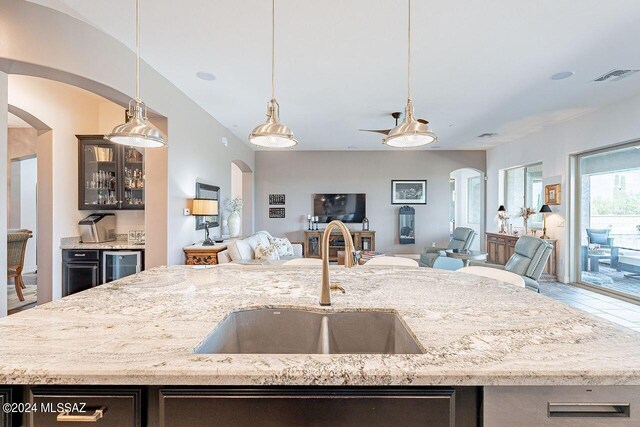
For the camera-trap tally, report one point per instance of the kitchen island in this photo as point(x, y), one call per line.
point(473, 332)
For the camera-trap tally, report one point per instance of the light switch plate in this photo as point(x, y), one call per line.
point(186, 212)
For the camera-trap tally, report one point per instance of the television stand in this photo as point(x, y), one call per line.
point(362, 241)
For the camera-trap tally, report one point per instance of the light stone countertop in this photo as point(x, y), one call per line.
point(121, 242)
point(475, 331)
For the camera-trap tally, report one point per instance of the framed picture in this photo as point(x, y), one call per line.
point(276, 199)
point(409, 192)
point(211, 192)
point(552, 194)
point(276, 213)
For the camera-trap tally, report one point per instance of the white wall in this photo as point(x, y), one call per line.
point(28, 209)
point(69, 50)
point(612, 124)
point(299, 174)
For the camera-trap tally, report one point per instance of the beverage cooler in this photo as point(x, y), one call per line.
point(119, 264)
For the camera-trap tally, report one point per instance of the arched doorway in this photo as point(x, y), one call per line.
point(467, 202)
point(242, 187)
point(29, 142)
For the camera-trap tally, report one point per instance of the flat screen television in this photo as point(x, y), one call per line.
point(346, 207)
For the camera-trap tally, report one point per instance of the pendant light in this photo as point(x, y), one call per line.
point(411, 132)
point(137, 131)
point(273, 134)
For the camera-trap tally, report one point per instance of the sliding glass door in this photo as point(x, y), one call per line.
point(609, 219)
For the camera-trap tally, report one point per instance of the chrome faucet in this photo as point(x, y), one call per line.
point(325, 295)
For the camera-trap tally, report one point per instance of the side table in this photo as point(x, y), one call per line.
point(203, 255)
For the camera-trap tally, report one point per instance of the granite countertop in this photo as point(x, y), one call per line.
point(475, 331)
point(121, 242)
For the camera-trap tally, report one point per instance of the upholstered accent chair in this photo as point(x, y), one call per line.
point(462, 238)
point(529, 259)
point(16, 249)
point(599, 236)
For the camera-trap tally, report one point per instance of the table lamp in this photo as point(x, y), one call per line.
point(205, 207)
point(502, 214)
point(544, 210)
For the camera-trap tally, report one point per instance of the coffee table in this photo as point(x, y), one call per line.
point(466, 255)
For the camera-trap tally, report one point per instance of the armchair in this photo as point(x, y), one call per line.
point(529, 259)
point(599, 236)
point(462, 238)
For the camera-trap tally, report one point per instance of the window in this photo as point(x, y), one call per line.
point(473, 200)
point(523, 188)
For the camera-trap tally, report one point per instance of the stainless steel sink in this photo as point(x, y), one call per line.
point(291, 331)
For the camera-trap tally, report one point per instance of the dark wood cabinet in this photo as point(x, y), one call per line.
point(110, 176)
point(80, 270)
point(168, 406)
point(362, 241)
point(108, 407)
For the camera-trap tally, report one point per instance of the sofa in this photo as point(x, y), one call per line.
point(243, 251)
point(462, 238)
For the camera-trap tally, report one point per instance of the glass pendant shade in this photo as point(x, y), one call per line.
point(137, 131)
point(273, 134)
point(410, 133)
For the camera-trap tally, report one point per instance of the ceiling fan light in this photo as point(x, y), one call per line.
point(137, 131)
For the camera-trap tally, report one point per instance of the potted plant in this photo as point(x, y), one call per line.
point(234, 207)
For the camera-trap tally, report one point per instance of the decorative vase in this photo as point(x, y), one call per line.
point(234, 224)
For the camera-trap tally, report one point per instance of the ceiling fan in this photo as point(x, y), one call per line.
point(396, 115)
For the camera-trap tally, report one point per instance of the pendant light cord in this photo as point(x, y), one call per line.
point(138, 50)
point(409, 54)
point(273, 49)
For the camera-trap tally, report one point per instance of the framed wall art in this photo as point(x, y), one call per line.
point(409, 192)
point(552, 194)
point(276, 199)
point(210, 192)
point(276, 213)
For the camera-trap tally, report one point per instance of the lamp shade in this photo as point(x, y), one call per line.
point(545, 209)
point(501, 209)
point(204, 207)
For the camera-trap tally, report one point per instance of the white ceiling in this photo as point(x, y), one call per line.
point(16, 122)
point(479, 66)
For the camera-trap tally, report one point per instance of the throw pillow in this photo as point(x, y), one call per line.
point(283, 246)
point(266, 252)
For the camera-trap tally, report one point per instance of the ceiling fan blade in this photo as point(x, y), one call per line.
point(382, 131)
point(423, 121)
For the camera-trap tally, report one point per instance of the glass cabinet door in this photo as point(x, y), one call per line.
point(133, 176)
point(99, 186)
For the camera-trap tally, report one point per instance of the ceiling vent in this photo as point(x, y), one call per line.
point(615, 75)
point(487, 135)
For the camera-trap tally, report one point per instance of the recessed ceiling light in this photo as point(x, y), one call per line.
point(205, 76)
point(562, 75)
point(487, 135)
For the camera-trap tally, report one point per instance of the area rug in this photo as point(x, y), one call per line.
point(30, 293)
point(596, 278)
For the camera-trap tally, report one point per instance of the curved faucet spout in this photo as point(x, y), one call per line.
point(325, 296)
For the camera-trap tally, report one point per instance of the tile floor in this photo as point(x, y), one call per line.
point(615, 310)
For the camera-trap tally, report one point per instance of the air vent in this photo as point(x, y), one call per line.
point(487, 135)
point(615, 75)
